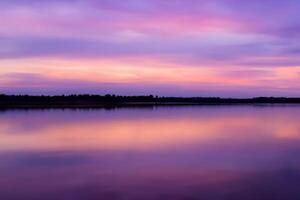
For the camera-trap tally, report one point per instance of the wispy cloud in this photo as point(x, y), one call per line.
point(246, 35)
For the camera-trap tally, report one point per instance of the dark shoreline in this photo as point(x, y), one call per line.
point(112, 101)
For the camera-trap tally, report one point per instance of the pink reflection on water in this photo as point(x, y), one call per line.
point(217, 152)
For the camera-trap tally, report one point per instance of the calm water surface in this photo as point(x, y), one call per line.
point(168, 153)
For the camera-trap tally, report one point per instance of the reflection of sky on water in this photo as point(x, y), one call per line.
point(234, 152)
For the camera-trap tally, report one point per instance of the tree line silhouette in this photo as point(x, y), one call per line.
point(115, 100)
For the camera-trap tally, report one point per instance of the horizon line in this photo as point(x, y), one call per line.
point(149, 95)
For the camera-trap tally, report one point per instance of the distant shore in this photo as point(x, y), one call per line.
point(111, 101)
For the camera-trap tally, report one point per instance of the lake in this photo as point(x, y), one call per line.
point(168, 153)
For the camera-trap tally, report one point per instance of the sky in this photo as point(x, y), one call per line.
point(227, 48)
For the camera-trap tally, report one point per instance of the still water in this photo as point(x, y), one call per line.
point(168, 153)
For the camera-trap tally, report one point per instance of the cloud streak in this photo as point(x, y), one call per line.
point(248, 36)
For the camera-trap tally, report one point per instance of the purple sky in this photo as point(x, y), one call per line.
point(173, 47)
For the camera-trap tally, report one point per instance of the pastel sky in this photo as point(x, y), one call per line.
point(227, 48)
